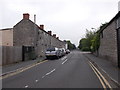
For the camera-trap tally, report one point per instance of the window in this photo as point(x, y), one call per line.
point(101, 34)
point(38, 32)
point(118, 23)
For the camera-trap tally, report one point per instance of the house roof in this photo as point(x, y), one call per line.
point(6, 29)
point(39, 28)
point(113, 19)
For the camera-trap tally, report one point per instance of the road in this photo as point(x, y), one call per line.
point(71, 71)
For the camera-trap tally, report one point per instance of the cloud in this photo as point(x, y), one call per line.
point(67, 18)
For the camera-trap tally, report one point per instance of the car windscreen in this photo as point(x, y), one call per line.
point(51, 49)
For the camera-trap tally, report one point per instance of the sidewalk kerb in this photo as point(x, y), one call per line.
point(3, 74)
point(116, 82)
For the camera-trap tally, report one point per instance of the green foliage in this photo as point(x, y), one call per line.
point(95, 42)
point(86, 43)
point(85, 49)
point(70, 45)
point(84, 46)
point(91, 41)
point(89, 36)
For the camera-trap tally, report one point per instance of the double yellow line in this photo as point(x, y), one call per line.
point(102, 79)
point(21, 70)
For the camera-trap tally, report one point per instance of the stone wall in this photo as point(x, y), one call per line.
point(108, 43)
point(25, 33)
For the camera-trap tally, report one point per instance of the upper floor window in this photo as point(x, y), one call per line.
point(118, 22)
point(101, 34)
point(38, 33)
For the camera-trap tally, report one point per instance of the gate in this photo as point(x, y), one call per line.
point(28, 53)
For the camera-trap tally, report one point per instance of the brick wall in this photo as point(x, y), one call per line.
point(108, 43)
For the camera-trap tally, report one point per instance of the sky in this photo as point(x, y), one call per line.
point(68, 19)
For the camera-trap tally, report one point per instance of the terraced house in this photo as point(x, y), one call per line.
point(110, 40)
point(33, 39)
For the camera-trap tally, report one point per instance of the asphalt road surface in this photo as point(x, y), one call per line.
point(71, 71)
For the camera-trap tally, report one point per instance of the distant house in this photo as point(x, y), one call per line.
point(110, 40)
point(6, 37)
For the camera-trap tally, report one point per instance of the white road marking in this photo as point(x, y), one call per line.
point(51, 72)
point(65, 61)
point(43, 76)
point(63, 58)
point(36, 81)
point(48, 73)
point(26, 86)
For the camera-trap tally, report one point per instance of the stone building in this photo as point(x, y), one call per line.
point(30, 36)
point(27, 33)
point(110, 40)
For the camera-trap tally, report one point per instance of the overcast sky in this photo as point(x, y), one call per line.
point(69, 19)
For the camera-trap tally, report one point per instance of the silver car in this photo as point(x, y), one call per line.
point(63, 52)
point(53, 53)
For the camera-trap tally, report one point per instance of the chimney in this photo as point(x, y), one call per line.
point(42, 27)
point(50, 32)
point(26, 16)
point(57, 37)
point(118, 6)
point(54, 35)
point(35, 19)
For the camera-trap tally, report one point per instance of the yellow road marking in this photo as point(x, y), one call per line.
point(19, 71)
point(107, 83)
point(98, 77)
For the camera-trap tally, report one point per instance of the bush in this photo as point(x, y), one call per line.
point(85, 49)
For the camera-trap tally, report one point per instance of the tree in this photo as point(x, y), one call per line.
point(91, 42)
point(95, 42)
point(70, 45)
point(83, 44)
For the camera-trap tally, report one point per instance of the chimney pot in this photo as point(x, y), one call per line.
point(26, 16)
point(42, 27)
point(57, 37)
point(50, 32)
point(54, 35)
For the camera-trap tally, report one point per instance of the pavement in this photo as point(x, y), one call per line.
point(71, 71)
point(106, 66)
point(19, 65)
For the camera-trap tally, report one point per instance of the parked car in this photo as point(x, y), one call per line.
point(63, 52)
point(53, 53)
point(67, 51)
